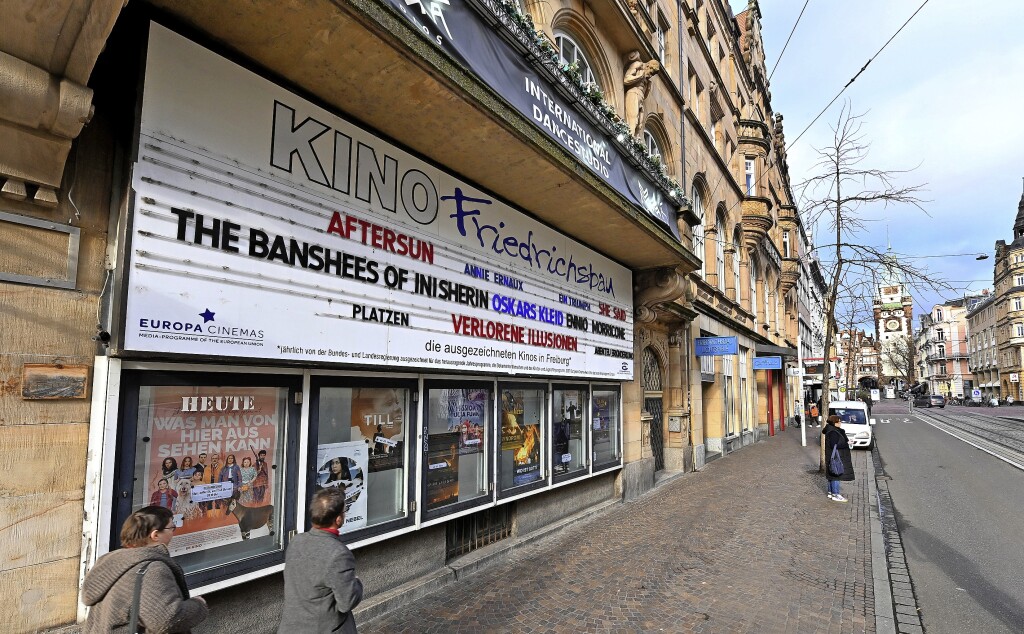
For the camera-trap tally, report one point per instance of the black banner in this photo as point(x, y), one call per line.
point(458, 29)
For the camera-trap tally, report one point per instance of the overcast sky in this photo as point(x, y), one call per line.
point(945, 97)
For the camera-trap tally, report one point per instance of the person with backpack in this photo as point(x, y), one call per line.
point(140, 582)
point(838, 461)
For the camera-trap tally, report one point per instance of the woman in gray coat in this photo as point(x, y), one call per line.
point(110, 586)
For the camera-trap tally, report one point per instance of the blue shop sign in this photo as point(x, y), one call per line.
point(767, 363)
point(715, 346)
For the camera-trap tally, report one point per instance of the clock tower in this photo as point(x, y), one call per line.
point(894, 315)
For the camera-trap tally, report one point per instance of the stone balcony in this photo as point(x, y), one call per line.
point(790, 273)
point(754, 134)
point(757, 220)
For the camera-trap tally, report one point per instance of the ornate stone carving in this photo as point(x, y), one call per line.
point(44, 103)
point(757, 221)
point(653, 288)
point(638, 83)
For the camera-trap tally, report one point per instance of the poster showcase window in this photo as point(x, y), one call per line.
point(211, 456)
point(455, 465)
point(605, 420)
point(568, 431)
point(522, 413)
point(360, 445)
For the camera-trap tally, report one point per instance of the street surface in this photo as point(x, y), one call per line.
point(750, 544)
point(960, 512)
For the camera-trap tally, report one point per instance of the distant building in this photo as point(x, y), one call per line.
point(942, 356)
point(1009, 285)
point(860, 363)
point(981, 345)
point(894, 321)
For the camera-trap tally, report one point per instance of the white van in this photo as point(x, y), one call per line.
point(855, 422)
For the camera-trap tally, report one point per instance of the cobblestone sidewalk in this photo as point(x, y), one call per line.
point(749, 544)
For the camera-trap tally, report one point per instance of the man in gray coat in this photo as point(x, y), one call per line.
point(320, 584)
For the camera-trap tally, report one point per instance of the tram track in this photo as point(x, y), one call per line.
point(1002, 438)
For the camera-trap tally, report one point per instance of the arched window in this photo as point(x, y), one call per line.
point(572, 53)
point(652, 145)
point(698, 230)
point(736, 263)
point(753, 289)
point(778, 290)
point(720, 251)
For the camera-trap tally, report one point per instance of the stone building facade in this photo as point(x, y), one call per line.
point(981, 345)
point(1008, 277)
point(254, 249)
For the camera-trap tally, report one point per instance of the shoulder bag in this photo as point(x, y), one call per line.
point(133, 622)
point(835, 462)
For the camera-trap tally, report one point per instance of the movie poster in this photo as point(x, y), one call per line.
point(602, 419)
point(520, 438)
point(568, 425)
point(442, 469)
point(467, 415)
point(378, 416)
point(207, 455)
point(345, 464)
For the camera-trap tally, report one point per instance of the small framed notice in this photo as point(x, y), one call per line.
point(52, 382)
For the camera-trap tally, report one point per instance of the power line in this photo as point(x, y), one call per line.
point(793, 30)
point(862, 69)
point(773, 163)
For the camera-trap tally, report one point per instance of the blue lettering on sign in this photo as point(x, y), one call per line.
point(525, 249)
point(767, 363)
point(715, 346)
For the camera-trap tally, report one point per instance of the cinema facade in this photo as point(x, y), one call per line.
point(364, 247)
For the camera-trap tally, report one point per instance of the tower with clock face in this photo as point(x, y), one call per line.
point(894, 315)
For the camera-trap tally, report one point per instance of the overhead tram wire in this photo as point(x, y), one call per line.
point(862, 69)
point(829, 105)
point(791, 32)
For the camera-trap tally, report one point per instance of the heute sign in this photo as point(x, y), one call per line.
point(266, 227)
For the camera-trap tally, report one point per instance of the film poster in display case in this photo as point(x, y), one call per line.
point(378, 418)
point(442, 469)
point(206, 456)
point(567, 426)
point(466, 417)
point(345, 464)
point(601, 418)
point(520, 437)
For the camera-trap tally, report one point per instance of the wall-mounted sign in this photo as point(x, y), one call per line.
point(1014, 377)
point(462, 32)
point(267, 227)
point(715, 346)
point(767, 363)
point(41, 381)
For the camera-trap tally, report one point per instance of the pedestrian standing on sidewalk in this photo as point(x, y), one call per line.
point(110, 587)
point(835, 437)
point(320, 584)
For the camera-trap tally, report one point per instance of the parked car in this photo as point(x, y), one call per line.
point(855, 421)
point(937, 400)
point(922, 400)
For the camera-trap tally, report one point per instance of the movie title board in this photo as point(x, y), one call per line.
point(266, 227)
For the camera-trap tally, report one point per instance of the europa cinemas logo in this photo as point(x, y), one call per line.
point(202, 329)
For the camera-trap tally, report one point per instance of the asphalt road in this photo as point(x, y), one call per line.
point(961, 518)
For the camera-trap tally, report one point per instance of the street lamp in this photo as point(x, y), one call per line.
point(982, 256)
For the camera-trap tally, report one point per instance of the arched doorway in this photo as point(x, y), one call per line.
point(653, 406)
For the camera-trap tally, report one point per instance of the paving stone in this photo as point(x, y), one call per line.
point(738, 547)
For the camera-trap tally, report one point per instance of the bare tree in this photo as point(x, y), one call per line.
point(898, 354)
point(840, 193)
